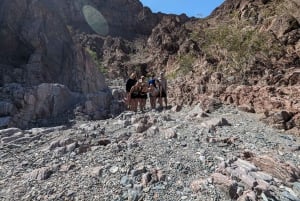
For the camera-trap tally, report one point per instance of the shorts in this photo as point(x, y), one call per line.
point(163, 94)
point(135, 95)
point(143, 95)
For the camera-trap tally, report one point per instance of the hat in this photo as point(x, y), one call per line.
point(140, 80)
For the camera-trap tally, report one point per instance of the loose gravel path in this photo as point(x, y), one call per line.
point(156, 155)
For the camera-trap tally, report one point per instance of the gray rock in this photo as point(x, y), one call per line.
point(9, 132)
point(40, 174)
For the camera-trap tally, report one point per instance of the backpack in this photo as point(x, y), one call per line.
point(152, 82)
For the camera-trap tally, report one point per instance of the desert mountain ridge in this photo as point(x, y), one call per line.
point(57, 55)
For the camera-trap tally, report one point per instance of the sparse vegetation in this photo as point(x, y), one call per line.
point(186, 63)
point(238, 46)
point(97, 61)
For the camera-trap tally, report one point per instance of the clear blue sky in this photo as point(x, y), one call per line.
point(192, 8)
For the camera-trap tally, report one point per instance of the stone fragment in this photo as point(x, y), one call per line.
point(141, 127)
point(296, 188)
point(53, 145)
point(170, 133)
point(96, 171)
point(153, 131)
point(12, 138)
point(66, 168)
point(262, 186)
point(246, 108)
point(60, 151)
point(138, 171)
point(221, 179)
point(40, 174)
point(283, 171)
point(248, 180)
point(261, 175)
point(212, 123)
point(113, 169)
point(9, 132)
point(71, 147)
point(104, 141)
point(146, 178)
point(248, 196)
point(245, 164)
point(236, 171)
point(176, 108)
point(161, 175)
point(23, 140)
point(197, 185)
point(126, 181)
point(65, 141)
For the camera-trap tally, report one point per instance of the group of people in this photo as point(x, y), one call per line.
point(138, 91)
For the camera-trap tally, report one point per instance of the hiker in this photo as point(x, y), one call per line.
point(152, 80)
point(129, 84)
point(163, 92)
point(134, 95)
point(153, 91)
point(143, 93)
point(159, 93)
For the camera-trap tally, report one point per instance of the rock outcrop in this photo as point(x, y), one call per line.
point(38, 49)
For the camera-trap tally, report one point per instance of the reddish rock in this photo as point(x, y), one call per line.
point(248, 196)
point(280, 170)
point(220, 179)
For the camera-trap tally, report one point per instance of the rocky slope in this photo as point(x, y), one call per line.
point(238, 54)
point(245, 53)
point(226, 73)
point(223, 155)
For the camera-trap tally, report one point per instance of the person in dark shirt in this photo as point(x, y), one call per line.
point(129, 84)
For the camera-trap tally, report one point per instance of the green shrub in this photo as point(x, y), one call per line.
point(97, 60)
point(186, 63)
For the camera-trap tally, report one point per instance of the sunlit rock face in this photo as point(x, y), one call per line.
point(37, 49)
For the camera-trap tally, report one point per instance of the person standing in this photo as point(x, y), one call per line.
point(129, 84)
point(143, 93)
point(163, 89)
point(153, 91)
point(135, 95)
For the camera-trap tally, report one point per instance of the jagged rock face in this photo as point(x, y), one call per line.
point(38, 48)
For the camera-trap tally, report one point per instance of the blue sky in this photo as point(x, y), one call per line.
point(195, 8)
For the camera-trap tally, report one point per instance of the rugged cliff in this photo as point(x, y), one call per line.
point(245, 53)
point(37, 47)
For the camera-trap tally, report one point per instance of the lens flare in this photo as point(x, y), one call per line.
point(95, 20)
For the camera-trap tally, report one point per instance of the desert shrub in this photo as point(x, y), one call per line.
point(186, 63)
point(97, 61)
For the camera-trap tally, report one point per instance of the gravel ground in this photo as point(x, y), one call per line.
point(154, 155)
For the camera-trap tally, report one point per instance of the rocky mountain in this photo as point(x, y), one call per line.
point(44, 71)
point(245, 53)
point(232, 132)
